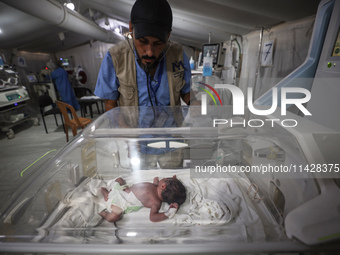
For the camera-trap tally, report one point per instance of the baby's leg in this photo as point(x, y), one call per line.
point(121, 181)
point(113, 216)
point(105, 193)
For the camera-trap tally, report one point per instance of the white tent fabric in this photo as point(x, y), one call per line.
point(90, 57)
point(291, 43)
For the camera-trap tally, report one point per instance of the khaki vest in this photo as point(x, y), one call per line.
point(124, 63)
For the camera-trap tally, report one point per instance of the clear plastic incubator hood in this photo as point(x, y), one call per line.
point(248, 190)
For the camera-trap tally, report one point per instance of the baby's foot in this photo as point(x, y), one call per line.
point(105, 193)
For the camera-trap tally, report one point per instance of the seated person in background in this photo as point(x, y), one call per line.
point(60, 78)
point(122, 198)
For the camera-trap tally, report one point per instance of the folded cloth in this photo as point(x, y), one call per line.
point(208, 203)
point(126, 201)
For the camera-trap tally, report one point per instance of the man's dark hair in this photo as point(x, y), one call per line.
point(174, 192)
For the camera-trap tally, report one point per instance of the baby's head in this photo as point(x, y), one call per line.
point(174, 192)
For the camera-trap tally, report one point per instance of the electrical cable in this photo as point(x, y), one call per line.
point(147, 85)
point(147, 69)
point(152, 106)
point(159, 59)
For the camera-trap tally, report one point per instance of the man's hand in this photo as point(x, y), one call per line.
point(196, 102)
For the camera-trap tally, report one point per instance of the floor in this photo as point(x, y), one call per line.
point(30, 143)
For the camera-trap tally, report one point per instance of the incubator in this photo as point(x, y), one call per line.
point(231, 207)
point(13, 100)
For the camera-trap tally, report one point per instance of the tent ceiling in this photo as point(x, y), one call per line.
point(193, 21)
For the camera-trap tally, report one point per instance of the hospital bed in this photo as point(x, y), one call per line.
point(227, 210)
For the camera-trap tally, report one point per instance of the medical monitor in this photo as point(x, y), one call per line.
point(65, 62)
point(31, 78)
point(215, 50)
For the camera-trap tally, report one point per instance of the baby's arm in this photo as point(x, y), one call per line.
point(155, 216)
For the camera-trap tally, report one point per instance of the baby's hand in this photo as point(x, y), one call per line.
point(172, 210)
point(174, 205)
point(156, 180)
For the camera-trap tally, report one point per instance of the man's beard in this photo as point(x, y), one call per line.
point(148, 66)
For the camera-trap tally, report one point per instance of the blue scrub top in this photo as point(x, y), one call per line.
point(66, 92)
point(107, 82)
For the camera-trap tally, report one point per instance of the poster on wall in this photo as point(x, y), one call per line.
point(267, 53)
point(22, 62)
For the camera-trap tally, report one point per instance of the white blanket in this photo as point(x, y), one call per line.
point(210, 202)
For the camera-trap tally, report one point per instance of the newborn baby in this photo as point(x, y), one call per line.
point(124, 199)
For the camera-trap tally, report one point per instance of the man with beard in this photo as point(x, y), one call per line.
point(147, 70)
